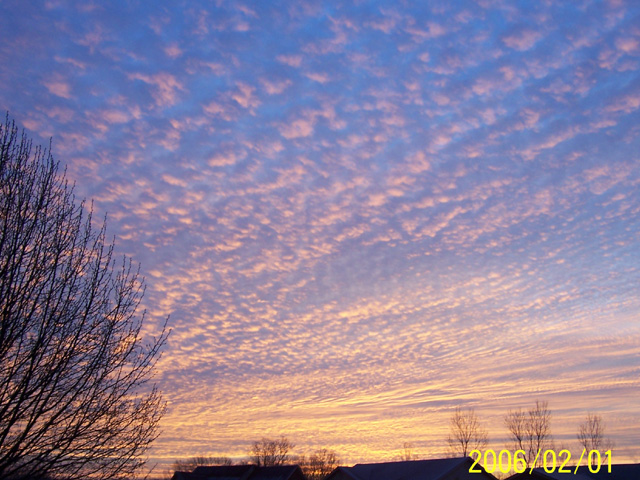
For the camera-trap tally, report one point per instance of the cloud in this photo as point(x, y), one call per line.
point(318, 77)
point(418, 163)
point(301, 127)
point(217, 109)
point(244, 97)
point(225, 159)
point(173, 51)
point(628, 45)
point(167, 87)
point(59, 88)
point(420, 34)
point(304, 125)
point(115, 116)
point(62, 114)
point(386, 25)
point(175, 181)
point(625, 104)
point(522, 40)
point(71, 61)
point(275, 87)
point(291, 60)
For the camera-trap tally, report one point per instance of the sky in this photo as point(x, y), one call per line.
point(358, 216)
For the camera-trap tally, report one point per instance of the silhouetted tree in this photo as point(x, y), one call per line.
point(268, 452)
point(531, 432)
point(407, 452)
point(466, 433)
point(73, 365)
point(319, 465)
point(591, 434)
point(516, 423)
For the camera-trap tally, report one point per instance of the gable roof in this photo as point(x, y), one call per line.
point(423, 469)
point(624, 471)
point(282, 472)
point(241, 472)
point(630, 471)
point(540, 474)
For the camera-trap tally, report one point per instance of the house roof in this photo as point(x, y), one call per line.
point(629, 471)
point(625, 471)
point(540, 474)
point(422, 469)
point(241, 472)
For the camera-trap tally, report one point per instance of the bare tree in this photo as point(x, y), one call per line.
point(466, 433)
point(74, 395)
point(319, 465)
point(591, 434)
point(516, 423)
point(407, 452)
point(531, 432)
point(268, 452)
point(539, 430)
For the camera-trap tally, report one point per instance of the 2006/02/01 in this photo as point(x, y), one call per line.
point(549, 457)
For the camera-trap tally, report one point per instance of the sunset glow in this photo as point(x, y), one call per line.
point(358, 215)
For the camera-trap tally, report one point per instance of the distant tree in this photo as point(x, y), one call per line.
point(466, 433)
point(73, 364)
point(407, 452)
point(591, 434)
point(268, 452)
point(539, 430)
point(516, 423)
point(531, 432)
point(319, 465)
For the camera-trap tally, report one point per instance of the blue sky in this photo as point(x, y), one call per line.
point(358, 216)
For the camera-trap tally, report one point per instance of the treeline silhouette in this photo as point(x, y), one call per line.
point(528, 430)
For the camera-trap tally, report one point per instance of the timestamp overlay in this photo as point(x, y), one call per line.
point(551, 461)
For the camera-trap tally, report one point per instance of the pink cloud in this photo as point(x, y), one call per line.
point(626, 104)
point(494, 83)
point(72, 61)
point(628, 45)
point(166, 87)
point(432, 30)
point(64, 115)
point(241, 27)
point(275, 87)
point(171, 180)
point(522, 40)
point(483, 86)
point(59, 88)
point(218, 110)
point(291, 60)
point(528, 119)
point(173, 51)
point(223, 159)
point(215, 68)
point(318, 77)
point(418, 163)
point(115, 116)
point(440, 99)
point(385, 25)
point(246, 10)
point(245, 97)
point(171, 139)
point(92, 39)
point(303, 127)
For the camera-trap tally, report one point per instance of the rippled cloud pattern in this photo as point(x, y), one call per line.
point(358, 215)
